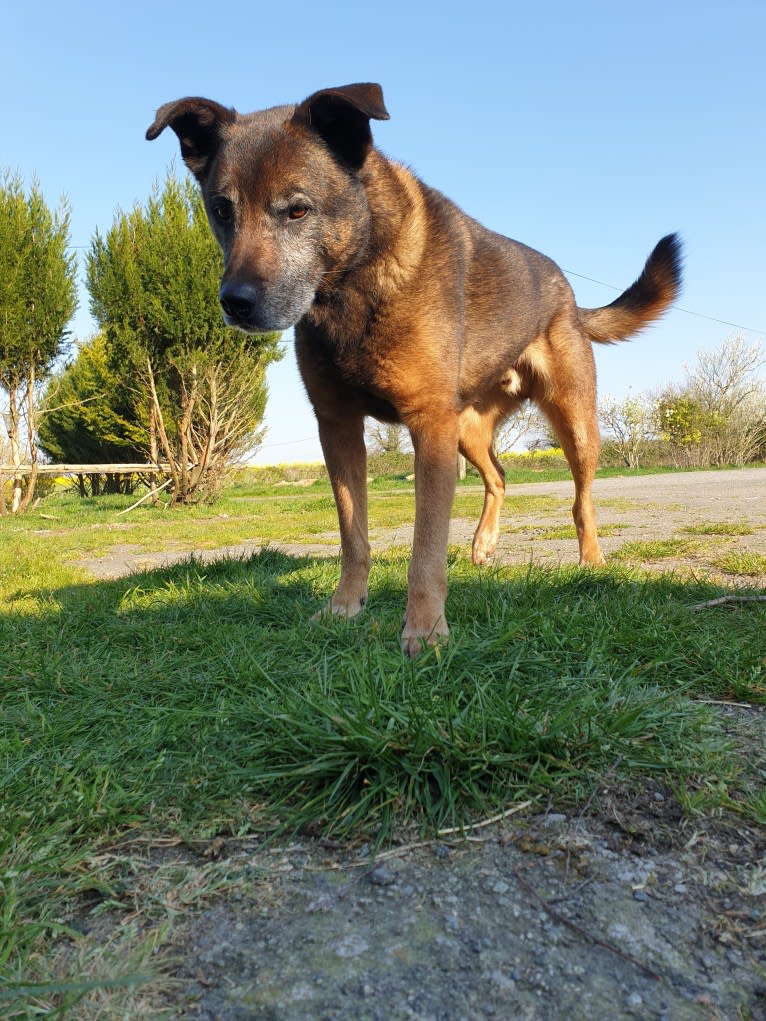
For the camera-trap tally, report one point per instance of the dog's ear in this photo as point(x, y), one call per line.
point(198, 123)
point(342, 117)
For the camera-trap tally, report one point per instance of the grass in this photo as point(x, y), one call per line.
point(743, 563)
point(196, 701)
point(719, 528)
point(654, 550)
point(544, 466)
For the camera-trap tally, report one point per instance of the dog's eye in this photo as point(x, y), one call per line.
point(297, 212)
point(223, 210)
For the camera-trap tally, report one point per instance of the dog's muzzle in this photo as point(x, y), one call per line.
point(240, 303)
point(255, 309)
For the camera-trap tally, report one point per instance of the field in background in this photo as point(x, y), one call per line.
point(198, 700)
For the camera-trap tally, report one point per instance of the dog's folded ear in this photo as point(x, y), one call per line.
point(198, 123)
point(341, 116)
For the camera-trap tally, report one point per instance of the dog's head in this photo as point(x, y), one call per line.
point(283, 192)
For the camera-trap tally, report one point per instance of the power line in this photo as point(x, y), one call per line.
point(723, 322)
point(687, 311)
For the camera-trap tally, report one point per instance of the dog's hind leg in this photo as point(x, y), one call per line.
point(578, 434)
point(345, 455)
point(569, 403)
point(476, 432)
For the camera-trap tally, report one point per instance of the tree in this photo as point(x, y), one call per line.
point(37, 300)
point(729, 388)
point(631, 423)
point(197, 385)
point(87, 416)
point(719, 415)
point(728, 377)
point(387, 437)
point(526, 423)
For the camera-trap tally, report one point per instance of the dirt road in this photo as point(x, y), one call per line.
point(630, 509)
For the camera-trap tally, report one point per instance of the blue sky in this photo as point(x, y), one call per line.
point(586, 130)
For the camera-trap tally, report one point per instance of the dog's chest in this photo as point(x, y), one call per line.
point(346, 368)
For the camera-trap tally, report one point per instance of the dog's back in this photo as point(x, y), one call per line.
point(492, 297)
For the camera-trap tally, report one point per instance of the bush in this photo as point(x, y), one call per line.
point(551, 458)
point(393, 463)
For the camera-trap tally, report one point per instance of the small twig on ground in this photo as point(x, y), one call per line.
point(563, 920)
point(732, 705)
point(146, 496)
point(727, 599)
point(514, 810)
point(396, 852)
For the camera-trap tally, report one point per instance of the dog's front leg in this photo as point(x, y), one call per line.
point(345, 456)
point(435, 441)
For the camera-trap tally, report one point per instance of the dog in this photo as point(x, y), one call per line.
point(405, 309)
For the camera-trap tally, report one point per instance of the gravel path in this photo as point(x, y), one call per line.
point(550, 919)
point(634, 508)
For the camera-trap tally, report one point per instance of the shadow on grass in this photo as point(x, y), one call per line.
point(202, 698)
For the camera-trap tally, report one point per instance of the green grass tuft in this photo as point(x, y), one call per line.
point(747, 563)
point(653, 550)
point(719, 528)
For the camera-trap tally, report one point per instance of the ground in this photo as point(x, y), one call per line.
point(622, 908)
point(607, 915)
point(638, 508)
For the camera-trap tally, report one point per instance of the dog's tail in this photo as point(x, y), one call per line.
point(644, 301)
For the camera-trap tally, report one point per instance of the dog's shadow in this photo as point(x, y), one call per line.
point(270, 599)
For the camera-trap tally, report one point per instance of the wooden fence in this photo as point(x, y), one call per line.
point(84, 469)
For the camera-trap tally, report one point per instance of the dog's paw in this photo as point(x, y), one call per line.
point(483, 548)
point(593, 558)
point(416, 639)
point(481, 556)
point(339, 607)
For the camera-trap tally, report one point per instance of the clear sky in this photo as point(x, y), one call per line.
point(587, 130)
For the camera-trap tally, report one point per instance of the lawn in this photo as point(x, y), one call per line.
point(200, 700)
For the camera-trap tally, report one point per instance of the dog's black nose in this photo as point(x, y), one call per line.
point(239, 301)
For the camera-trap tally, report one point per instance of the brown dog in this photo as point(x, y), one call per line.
point(404, 309)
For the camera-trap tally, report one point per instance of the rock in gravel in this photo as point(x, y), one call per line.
point(381, 875)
